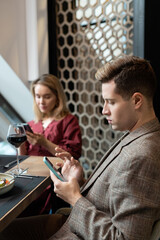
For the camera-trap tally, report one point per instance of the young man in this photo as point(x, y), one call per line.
point(121, 199)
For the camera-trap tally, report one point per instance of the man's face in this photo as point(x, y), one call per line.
point(120, 113)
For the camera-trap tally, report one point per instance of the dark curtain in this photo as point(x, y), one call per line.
point(52, 37)
point(152, 44)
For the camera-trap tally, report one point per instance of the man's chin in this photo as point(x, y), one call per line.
point(115, 128)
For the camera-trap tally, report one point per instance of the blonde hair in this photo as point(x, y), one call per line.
point(55, 86)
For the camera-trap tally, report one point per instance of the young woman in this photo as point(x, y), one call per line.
point(54, 125)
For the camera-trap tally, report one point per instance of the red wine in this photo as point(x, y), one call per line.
point(16, 139)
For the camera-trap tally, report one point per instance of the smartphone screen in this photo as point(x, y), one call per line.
point(53, 169)
point(27, 127)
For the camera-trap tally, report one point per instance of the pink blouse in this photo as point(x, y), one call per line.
point(65, 133)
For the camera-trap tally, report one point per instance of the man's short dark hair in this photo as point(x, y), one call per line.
point(131, 74)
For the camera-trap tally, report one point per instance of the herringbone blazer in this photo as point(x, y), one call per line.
point(121, 199)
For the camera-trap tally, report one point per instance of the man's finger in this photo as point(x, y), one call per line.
point(53, 177)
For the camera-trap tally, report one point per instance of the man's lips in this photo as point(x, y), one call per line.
point(109, 120)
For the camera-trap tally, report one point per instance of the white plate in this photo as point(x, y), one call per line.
point(7, 187)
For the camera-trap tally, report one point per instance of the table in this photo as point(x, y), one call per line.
point(25, 190)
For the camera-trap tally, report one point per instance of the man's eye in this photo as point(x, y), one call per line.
point(111, 102)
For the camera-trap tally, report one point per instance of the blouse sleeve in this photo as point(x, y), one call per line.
point(71, 141)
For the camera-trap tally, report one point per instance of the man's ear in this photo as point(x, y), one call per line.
point(137, 99)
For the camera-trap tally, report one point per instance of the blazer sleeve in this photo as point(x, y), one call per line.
point(131, 202)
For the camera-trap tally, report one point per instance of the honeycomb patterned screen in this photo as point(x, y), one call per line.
point(89, 34)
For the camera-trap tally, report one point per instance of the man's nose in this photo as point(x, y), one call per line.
point(105, 110)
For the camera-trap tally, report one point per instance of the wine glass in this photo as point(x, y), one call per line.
point(16, 136)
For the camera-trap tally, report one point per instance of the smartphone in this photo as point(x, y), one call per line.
point(27, 127)
point(53, 169)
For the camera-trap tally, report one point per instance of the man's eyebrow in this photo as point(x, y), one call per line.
point(109, 99)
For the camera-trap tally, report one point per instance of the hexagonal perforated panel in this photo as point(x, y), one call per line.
point(90, 33)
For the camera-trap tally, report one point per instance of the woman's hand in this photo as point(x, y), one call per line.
point(35, 138)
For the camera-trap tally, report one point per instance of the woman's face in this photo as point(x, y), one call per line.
point(45, 99)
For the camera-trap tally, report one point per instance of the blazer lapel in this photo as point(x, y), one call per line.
point(151, 126)
point(104, 162)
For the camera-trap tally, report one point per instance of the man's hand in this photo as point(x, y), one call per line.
point(68, 191)
point(71, 168)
